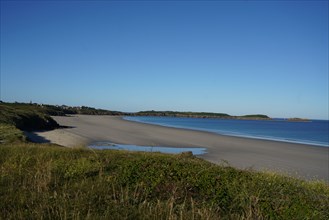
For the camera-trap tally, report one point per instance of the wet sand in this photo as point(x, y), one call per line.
point(306, 161)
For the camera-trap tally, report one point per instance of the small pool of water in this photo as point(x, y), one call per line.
point(168, 150)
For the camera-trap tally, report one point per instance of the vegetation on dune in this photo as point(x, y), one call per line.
point(25, 117)
point(10, 134)
point(43, 181)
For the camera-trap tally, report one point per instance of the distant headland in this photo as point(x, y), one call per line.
point(63, 110)
point(201, 115)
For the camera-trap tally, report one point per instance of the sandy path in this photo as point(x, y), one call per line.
point(296, 159)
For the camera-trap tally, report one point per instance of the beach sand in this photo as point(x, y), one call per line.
point(305, 161)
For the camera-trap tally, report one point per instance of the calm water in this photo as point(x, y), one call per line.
point(168, 150)
point(315, 132)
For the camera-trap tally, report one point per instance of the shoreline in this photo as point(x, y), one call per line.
point(299, 160)
point(232, 135)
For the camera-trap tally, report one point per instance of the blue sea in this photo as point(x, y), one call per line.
point(314, 132)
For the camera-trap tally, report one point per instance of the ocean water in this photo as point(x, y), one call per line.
point(314, 132)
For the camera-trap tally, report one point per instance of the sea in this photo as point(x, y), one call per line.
point(312, 132)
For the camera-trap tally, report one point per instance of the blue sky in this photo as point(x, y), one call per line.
point(236, 57)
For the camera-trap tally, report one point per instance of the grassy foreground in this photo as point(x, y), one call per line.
point(46, 181)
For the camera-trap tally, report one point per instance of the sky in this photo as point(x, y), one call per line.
point(234, 57)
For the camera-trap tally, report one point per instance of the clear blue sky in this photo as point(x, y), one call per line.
point(239, 57)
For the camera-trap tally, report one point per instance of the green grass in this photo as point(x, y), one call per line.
point(10, 134)
point(45, 181)
point(26, 117)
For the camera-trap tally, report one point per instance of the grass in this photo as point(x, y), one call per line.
point(10, 134)
point(26, 117)
point(46, 181)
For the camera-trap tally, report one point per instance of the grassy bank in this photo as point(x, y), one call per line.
point(46, 181)
point(26, 117)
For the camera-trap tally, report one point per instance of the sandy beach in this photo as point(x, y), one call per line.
point(299, 160)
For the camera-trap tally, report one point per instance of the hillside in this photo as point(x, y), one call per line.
point(26, 117)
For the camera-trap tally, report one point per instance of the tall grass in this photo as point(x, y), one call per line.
point(44, 181)
point(9, 134)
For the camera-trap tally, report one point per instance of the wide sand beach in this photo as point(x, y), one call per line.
point(305, 161)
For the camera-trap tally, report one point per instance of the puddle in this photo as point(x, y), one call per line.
point(168, 150)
